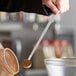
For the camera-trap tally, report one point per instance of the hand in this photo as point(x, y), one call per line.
point(57, 6)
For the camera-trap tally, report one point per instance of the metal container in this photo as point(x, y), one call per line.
point(61, 67)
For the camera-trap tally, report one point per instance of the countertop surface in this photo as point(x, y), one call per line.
point(36, 73)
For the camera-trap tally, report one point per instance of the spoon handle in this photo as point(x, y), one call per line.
point(41, 37)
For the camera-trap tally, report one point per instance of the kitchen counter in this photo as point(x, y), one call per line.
point(36, 72)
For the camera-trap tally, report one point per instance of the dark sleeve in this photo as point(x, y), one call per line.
point(35, 6)
point(31, 6)
point(10, 5)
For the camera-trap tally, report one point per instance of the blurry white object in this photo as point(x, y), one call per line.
point(1, 46)
point(70, 51)
point(48, 49)
point(67, 49)
point(18, 48)
point(58, 18)
point(61, 67)
point(3, 16)
point(64, 48)
point(64, 5)
point(42, 18)
point(32, 17)
point(35, 27)
point(57, 27)
point(28, 17)
point(13, 16)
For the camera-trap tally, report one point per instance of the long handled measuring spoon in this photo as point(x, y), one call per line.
point(26, 63)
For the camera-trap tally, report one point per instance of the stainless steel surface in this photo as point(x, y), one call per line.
point(61, 67)
point(36, 72)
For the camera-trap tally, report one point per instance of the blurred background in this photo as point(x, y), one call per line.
point(20, 32)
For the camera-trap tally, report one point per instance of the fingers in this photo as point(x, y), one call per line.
point(1, 47)
point(52, 6)
point(57, 3)
point(63, 5)
point(57, 6)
